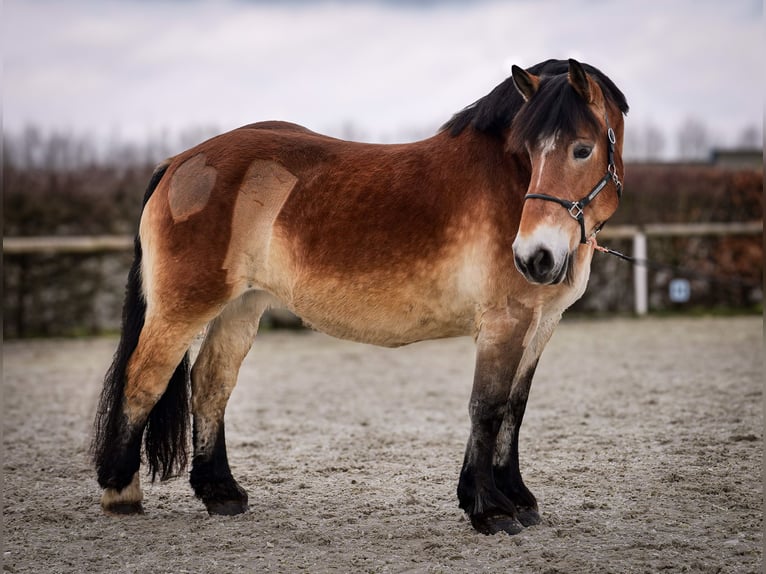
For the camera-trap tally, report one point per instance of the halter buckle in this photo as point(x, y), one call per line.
point(611, 136)
point(576, 211)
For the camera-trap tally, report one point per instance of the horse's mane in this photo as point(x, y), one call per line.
point(555, 107)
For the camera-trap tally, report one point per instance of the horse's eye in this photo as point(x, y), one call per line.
point(582, 151)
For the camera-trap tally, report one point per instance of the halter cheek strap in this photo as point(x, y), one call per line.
point(576, 208)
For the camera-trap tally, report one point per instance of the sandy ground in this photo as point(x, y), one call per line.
point(643, 442)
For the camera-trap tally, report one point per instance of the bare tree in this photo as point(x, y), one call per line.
point(633, 148)
point(654, 141)
point(30, 146)
point(750, 137)
point(693, 140)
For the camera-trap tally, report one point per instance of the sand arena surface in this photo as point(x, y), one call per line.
point(643, 441)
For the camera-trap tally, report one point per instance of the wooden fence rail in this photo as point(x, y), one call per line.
point(111, 243)
point(683, 229)
point(79, 244)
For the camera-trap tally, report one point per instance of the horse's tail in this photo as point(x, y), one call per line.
point(167, 427)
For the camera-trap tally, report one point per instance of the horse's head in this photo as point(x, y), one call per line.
point(571, 126)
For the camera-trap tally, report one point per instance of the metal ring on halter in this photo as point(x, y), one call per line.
point(612, 170)
point(575, 211)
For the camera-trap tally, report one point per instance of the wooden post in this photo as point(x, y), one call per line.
point(640, 275)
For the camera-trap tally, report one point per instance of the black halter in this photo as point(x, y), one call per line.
point(575, 208)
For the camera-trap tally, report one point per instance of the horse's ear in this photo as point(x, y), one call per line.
point(525, 82)
point(579, 80)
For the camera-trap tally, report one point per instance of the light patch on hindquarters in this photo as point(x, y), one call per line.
point(264, 190)
point(131, 495)
point(190, 187)
point(547, 145)
point(148, 258)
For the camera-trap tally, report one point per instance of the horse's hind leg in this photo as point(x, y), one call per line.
point(157, 361)
point(214, 375)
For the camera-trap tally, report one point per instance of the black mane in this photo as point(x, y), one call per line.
point(555, 107)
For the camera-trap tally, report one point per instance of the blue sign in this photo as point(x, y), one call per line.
point(680, 290)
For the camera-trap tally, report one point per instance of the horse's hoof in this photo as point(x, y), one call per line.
point(124, 508)
point(529, 516)
point(494, 523)
point(226, 507)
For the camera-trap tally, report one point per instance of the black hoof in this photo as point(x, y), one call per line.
point(226, 507)
point(221, 497)
point(494, 523)
point(124, 508)
point(529, 516)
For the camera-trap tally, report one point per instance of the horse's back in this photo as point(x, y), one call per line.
point(281, 126)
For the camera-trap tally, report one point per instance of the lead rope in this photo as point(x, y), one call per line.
point(593, 243)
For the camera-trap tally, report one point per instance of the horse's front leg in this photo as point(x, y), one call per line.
point(500, 344)
point(506, 469)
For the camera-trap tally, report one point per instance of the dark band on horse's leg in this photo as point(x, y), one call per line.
point(214, 376)
point(500, 346)
point(488, 508)
point(117, 471)
point(212, 480)
point(506, 463)
point(158, 360)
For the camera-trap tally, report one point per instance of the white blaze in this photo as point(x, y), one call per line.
point(546, 145)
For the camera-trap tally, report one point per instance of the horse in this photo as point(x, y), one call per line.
point(462, 233)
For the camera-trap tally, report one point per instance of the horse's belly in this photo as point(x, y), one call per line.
point(389, 317)
point(387, 333)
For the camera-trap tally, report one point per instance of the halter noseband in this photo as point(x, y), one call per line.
point(576, 208)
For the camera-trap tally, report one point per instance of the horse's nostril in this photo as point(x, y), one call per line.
point(537, 267)
point(541, 263)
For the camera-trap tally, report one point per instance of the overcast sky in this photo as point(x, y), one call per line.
point(391, 69)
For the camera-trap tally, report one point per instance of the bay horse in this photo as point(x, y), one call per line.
point(485, 229)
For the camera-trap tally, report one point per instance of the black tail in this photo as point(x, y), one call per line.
point(167, 428)
point(166, 438)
